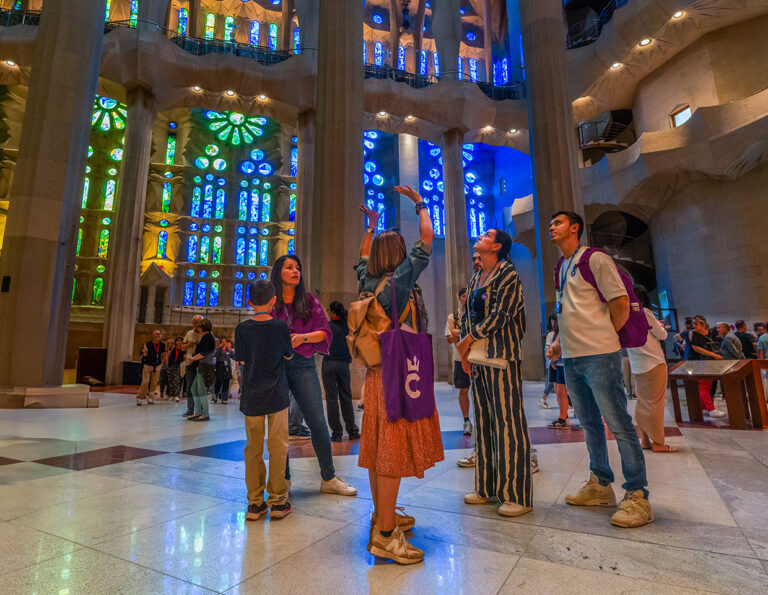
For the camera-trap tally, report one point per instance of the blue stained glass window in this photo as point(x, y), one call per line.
point(365, 52)
point(461, 68)
point(294, 161)
point(296, 41)
point(255, 32)
point(265, 169)
point(189, 292)
point(264, 253)
point(134, 12)
point(378, 53)
point(205, 246)
point(166, 202)
point(423, 62)
point(162, 243)
point(266, 203)
point(437, 64)
point(291, 246)
point(192, 249)
point(213, 296)
point(253, 252)
point(208, 201)
point(481, 222)
point(254, 205)
point(272, 36)
point(220, 199)
point(240, 251)
point(237, 296)
point(242, 205)
point(473, 69)
point(496, 77)
point(401, 57)
point(201, 291)
point(378, 19)
point(504, 71)
point(472, 222)
point(183, 21)
point(292, 207)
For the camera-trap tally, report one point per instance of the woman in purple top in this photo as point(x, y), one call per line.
point(310, 334)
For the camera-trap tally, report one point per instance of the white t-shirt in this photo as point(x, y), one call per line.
point(646, 358)
point(585, 321)
point(451, 324)
point(192, 336)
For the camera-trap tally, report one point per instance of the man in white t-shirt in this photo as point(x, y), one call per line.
point(590, 348)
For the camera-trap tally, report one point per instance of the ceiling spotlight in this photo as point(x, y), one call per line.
point(513, 130)
point(488, 128)
point(10, 63)
point(197, 88)
point(678, 14)
point(616, 65)
point(645, 41)
point(382, 114)
point(230, 92)
point(409, 117)
point(262, 97)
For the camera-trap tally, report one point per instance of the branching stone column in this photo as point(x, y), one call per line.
point(38, 258)
point(338, 179)
point(308, 14)
point(123, 287)
point(304, 183)
point(446, 26)
point(152, 12)
point(457, 258)
point(553, 139)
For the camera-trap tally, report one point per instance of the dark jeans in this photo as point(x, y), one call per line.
point(295, 417)
point(338, 392)
point(596, 385)
point(305, 387)
point(189, 376)
point(221, 389)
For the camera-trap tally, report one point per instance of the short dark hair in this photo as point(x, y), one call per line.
point(462, 291)
point(206, 325)
point(573, 218)
point(642, 294)
point(757, 325)
point(503, 238)
point(260, 292)
point(741, 324)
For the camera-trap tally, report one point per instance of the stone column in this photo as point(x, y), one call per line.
point(153, 12)
point(122, 291)
point(338, 180)
point(553, 139)
point(304, 182)
point(458, 264)
point(167, 306)
point(446, 27)
point(193, 24)
point(417, 26)
point(149, 309)
point(394, 32)
point(308, 14)
point(286, 17)
point(487, 40)
point(38, 258)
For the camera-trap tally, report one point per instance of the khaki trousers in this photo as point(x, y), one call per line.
point(148, 381)
point(277, 446)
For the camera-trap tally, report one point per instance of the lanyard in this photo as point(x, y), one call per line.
point(488, 274)
point(564, 275)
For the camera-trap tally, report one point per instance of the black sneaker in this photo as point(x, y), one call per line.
point(559, 424)
point(336, 437)
point(360, 407)
point(255, 512)
point(280, 511)
point(354, 436)
point(301, 434)
point(187, 414)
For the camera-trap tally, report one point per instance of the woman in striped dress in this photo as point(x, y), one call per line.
point(495, 315)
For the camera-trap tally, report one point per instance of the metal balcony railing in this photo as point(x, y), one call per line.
point(10, 18)
point(605, 134)
point(622, 247)
point(587, 31)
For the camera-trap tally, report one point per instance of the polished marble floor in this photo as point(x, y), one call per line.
point(126, 499)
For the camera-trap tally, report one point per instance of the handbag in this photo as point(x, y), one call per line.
point(407, 369)
point(478, 356)
point(208, 373)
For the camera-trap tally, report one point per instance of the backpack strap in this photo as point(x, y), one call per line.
point(558, 266)
point(381, 285)
point(586, 272)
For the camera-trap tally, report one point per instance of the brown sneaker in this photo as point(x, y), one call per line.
point(405, 521)
point(395, 547)
point(634, 511)
point(592, 494)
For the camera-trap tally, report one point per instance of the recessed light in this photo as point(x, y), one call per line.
point(488, 128)
point(262, 97)
point(409, 117)
point(382, 114)
point(513, 130)
point(10, 63)
point(230, 92)
point(197, 88)
point(616, 65)
point(645, 41)
point(678, 14)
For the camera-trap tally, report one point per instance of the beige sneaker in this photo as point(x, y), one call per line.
point(592, 494)
point(634, 511)
point(405, 521)
point(395, 547)
point(337, 486)
point(474, 498)
point(467, 461)
point(512, 509)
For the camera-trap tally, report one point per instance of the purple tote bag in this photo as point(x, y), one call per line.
point(407, 369)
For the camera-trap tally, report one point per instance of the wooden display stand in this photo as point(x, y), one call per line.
point(735, 377)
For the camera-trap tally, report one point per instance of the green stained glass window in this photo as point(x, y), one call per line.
point(196, 199)
point(116, 154)
point(109, 195)
point(266, 203)
point(210, 25)
point(205, 246)
point(86, 186)
point(272, 36)
point(103, 243)
point(208, 201)
point(219, 207)
point(134, 12)
point(162, 243)
point(109, 6)
point(217, 250)
point(229, 28)
point(170, 149)
point(101, 268)
point(106, 221)
point(183, 21)
point(234, 127)
point(166, 204)
point(108, 113)
point(98, 291)
point(74, 286)
point(79, 240)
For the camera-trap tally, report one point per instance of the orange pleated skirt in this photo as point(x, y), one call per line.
point(396, 449)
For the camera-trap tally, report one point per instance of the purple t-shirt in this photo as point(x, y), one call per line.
point(317, 321)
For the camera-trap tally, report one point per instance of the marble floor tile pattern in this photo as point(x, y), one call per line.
point(135, 500)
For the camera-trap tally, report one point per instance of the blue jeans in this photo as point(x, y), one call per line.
point(200, 395)
point(305, 388)
point(596, 386)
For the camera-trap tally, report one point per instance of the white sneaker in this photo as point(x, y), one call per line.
point(337, 486)
point(467, 462)
point(543, 404)
point(717, 414)
point(467, 428)
point(534, 464)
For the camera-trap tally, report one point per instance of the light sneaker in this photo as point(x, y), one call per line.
point(592, 494)
point(150, 402)
point(716, 413)
point(395, 547)
point(337, 486)
point(467, 428)
point(138, 402)
point(534, 464)
point(474, 498)
point(405, 521)
point(634, 511)
point(467, 462)
point(176, 399)
point(512, 509)
point(543, 404)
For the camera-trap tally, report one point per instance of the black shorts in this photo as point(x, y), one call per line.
point(560, 375)
point(460, 377)
point(551, 374)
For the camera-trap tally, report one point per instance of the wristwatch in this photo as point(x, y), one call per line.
point(371, 230)
point(419, 205)
point(306, 338)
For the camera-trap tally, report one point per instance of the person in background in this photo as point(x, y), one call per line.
point(201, 366)
point(762, 345)
point(223, 357)
point(685, 335)
point(730, 347)
point(460, 377)
point(649, 371)
point(175, 359)
point(703, 348)
point(748, 340)
point(152, 357)
point(191, 339)
point(562, 422)
point(549, 366)
point(759, 329)
point(336, 380)
point(163, 378)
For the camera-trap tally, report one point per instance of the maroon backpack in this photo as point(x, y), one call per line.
point(634, 333)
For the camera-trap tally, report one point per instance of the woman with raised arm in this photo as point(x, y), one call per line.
point(393, 450)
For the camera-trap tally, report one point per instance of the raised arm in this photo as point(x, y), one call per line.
point(426, 233)
point(373, 220)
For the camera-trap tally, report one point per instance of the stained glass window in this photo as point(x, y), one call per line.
point(291, 246)
point(473, 70)
point(106, 113)
point(210, 25)
point(205, 245)
point(504, 71)
point(242, 205)
point(183, 21)
point(192, 249)
point(294, 161)
point(461, 68)
point(220, 199)
point(106, 12)
point(201, 291)
point(217, 250)
point(473, 222)
point(272, 36)
point(103, 243)
point(74, 286)
point(296, 41)
point(234, 128)
point(378, 53)
point(109, 195)
point(208, 201)
point(213, 296)
point(423, 62)
point(229, 28)
point(237, 296)
point(162, 243)
point(189, 292)
point(481, 223)
point(170, 149)
point(134, 12)
point(365, 52)
point(98, 291)
point(165, 207)
point(196, 198)
point(292, 207)
point(86, 186)
point(254, 205)
point(253, 252)
point(436, 59)
point(401, 57)
point(266, 202)
point(255, 32)
point(79, 240)
point(264, 253)
point(240, 251)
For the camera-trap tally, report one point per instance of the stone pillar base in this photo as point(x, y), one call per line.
point(52, 397)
